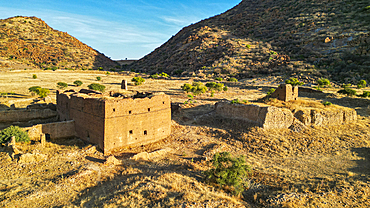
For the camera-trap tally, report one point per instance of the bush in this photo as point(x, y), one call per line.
point(232, 79)
point(215, 86)
point(178, 72)
point(272, 90)
point(326, 103)
point(347, 91)
point(346, 85)
point(361, 84)
point(20, 135)
point(225, 88)
point(154, 76)
point(62, 85)
point(187, 87)
point(97, 87)
point(365, 94)
point(163, 75)
point(198, 88)
point(138, 80)
point(228, 171)
point(293, 81)
point(34, 76)
point(98, 78)
point(218, 79)
point(77, 83)
point(323, 82)
point(33, 89)
point(42, 92)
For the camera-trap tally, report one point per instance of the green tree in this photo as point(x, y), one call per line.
point(229, 171)
point(361, 84)
point(7, 133)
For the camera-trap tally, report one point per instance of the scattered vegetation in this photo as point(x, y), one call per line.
point(232, 79)
point(62, 85)
point(42, 92)
point(326, 103)
point(7, 133)
point(98, 78)
point(215, 86)
point(219, 79)
point(34, 76)
point(293, 81)
point(237, 101)
point(229, 171)
point(272, 90)
point(196, 88)
point(365, 94)
point(323, 82)
point(97, 87)
point(361, 84)
point(78, 83)
point(347, 91)
point(138, 80)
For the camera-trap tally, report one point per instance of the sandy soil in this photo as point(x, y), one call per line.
point(317, 167)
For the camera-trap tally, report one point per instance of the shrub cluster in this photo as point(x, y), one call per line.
point(237, 101)
point(97, 87)
point(98, 78)
point(196, 88)
point(272, 90)
point(20, 135)
point(232, 79)
point(41, 92)
point(138, 80)
point(77, 83)
point(361, 84)
point(215, 86)
point(347, 91)
point(293, 81)
point(323, 82)
point(62, 85)
point(229, 171)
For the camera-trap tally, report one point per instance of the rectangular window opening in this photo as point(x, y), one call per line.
point(131, 132)
point(129, 112)
point(145, 132)
point(148, 109)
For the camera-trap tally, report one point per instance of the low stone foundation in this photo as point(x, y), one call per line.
point(264, 116)
point(323, 117)
point(269, 117)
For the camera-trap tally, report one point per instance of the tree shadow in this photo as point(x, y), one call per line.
point(363, 165)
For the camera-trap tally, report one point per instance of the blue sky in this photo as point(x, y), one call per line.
point(118, 28)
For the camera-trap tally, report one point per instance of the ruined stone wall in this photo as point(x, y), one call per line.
point(55, 130)
point(114, 123)
point(267, 117)
point(326, 117)
point(136, 121)
point(286, 92)
point(88, 114)
point(26, 117)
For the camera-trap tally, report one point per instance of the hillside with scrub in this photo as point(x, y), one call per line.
point(29, 42)
point(320, 38)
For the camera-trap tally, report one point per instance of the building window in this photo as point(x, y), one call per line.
point(129, 112)
point(131, 132)
point(148, 109)
point(145, 132)
point(163, 102)
point(114, 110)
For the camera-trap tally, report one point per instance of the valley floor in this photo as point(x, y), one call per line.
point(317, 167)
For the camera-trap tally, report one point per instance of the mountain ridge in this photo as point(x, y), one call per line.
point(30, 41)
point(322, 38)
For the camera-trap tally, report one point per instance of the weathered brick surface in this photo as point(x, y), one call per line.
point(55, 130)
point(267, 117)
point(285, 92)
point(326, 117)
point(114, 123)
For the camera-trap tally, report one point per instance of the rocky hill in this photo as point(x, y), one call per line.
point(29, 41)
point(317, 37)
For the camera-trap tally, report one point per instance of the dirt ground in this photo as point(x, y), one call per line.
point(316, 167)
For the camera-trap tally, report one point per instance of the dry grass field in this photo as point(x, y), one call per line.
point(316, 167)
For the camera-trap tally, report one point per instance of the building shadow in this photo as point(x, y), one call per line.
point(363, 165)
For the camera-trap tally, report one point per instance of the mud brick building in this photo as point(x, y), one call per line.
point(114, 122)
point(286, 92)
